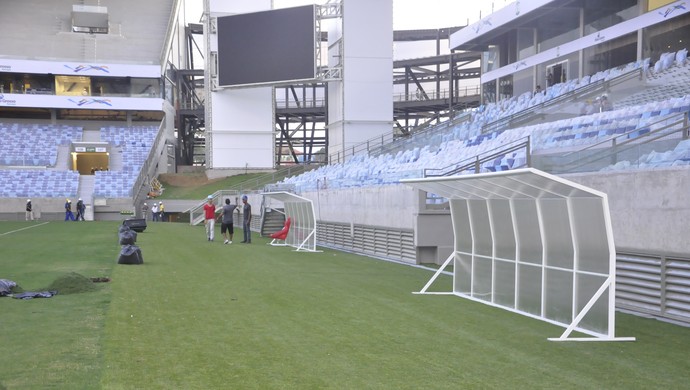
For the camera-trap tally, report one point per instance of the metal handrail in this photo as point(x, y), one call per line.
point(586, 90)
point(476, 162)
point(629, 143)
point(376, 144)
point(683, 119)
point(437, 94)
point(440, 94)
point(146, 166)
point(272, 177)
point(196, 213)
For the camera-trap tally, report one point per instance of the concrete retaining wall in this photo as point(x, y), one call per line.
point(650, 210)
point(392, 206)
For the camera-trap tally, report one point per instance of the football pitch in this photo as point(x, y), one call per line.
point(204, 315)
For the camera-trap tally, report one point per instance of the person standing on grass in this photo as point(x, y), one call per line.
point(161, 212)
point(81, 208)
point(68, 211)
point(144, 211)
point(29, 210)
point(227, 223)
point(209, 217)
point(154, 212)
point(246, 220)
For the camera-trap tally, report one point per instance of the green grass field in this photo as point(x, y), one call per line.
point(202, 191)
point(200, 315)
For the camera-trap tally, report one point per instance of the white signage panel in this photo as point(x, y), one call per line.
point(79, 68)
point(85, 103)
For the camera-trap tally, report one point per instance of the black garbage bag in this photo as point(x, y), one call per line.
point(130, 254)
point(136, 224)
point(35, 294)
point(128, 237)
point(6, 287)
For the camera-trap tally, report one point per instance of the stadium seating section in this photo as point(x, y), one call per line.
point(643, 112)
point(135, 144)
point(33, 147)
point(38, 183)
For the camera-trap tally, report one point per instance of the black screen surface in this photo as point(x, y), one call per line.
point(267, 47)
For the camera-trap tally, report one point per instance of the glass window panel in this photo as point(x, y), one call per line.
point(556, 224)
point(525, 41)
point(462, 267)
point(481, 279)
point(597, 318)
point(461, 225)
point(590, 231)
point(609, 13)
point(669, 36)
point(489, 92)
point(529, 289)
point(523, 82)
point(566, 30)
point(502, 224)
point(481, 231)
point(559, 296)
point(505, 284)
point(528, 232)
point(610, 54)
point(145, 87)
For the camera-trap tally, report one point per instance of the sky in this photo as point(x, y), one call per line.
point(414, 14)
point(420, 14)
point(424, 14)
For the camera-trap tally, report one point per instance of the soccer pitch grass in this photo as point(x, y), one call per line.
point(200, 315)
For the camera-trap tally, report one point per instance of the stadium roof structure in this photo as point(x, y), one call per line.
point(563, 15)
point(302, 233)
point(532, 243)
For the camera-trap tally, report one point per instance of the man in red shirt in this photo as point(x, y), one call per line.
point(210, 217)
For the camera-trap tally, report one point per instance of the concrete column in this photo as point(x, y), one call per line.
point(361, 104)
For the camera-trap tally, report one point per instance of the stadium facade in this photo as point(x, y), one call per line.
point(542, 42)
point(88, 102)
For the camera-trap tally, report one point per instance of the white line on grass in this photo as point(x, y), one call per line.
point(19, 230)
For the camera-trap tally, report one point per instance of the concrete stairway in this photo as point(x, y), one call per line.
point(86, 186)
point(91, 135)
point(116, 158)
point(62, 163)
point(273, 221)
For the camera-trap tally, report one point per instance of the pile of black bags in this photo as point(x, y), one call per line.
point(130, 253)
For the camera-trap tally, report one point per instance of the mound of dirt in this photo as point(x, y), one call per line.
point(72, 283)
point(185, 179)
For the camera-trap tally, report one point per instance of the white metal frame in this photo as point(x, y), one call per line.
point(302, 233)
point(534, 244)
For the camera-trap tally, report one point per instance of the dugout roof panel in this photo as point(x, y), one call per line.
point(528, 183)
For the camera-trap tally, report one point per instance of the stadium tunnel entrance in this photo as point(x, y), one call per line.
point(88, 162)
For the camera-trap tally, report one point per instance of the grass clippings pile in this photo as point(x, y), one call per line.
point(72, 283)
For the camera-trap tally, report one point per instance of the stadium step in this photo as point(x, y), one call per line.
point(86, 186)
point(272, 221)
